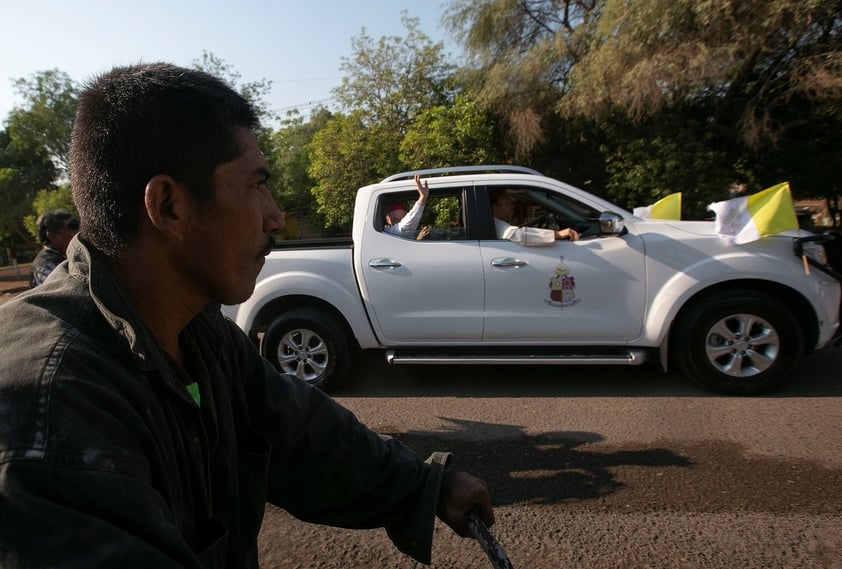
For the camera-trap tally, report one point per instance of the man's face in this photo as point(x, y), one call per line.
point(61, 239)
point(395, 216)
point(230, 237)
point(503, 208)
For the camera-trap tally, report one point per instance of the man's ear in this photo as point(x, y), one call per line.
point(167, 203)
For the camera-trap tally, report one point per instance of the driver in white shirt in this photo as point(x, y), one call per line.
point(503, 208)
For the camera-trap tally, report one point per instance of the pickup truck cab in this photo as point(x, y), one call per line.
point(733, 318)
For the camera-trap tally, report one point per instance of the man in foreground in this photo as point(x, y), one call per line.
point(139, 427)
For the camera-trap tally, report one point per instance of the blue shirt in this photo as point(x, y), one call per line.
point(44, 263)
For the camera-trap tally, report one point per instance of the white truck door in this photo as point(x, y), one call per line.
point(589, 291)
point(420, 291)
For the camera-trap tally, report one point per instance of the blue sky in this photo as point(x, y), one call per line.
point(296, 44)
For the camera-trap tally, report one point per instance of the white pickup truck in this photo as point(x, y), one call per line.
point(733, 318)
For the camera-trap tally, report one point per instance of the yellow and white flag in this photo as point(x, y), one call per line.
point(665, 208)
point(748, 218)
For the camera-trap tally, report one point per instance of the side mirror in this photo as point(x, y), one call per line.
point(611, 224)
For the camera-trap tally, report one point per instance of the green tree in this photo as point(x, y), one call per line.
point(346, 154)
point(769, 75)
point(767, 66)
point(519, 57)
point(24, 169)
point(451, 135)
point(393, 79)
point(763, 77)
point(289, 163)
point(649, 161)
point(387, 83)
point(46, 117)
point(34, 149)
point(9, 219)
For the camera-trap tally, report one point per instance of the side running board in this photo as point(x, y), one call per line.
point(627, 357)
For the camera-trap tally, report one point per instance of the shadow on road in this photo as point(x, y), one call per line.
point(547, 469)
point(816, 376)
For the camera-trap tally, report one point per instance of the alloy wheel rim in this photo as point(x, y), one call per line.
point(304, 354)
point(742, 345)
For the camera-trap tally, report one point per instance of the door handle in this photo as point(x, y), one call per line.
point(508, 262)
point(384, 264)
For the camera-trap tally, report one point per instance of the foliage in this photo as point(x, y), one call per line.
point(46, 117)
point(346, 155)
point(769, 75)
point(24, 169)
point(34, 148)
point(8, 213)
point(665, 156)
point(445, 210)
point(763, 76)
point(751, 58)
point(387, 84)
point(520, 55)
point(390, 81)
point(289, 163)
point(454, 135)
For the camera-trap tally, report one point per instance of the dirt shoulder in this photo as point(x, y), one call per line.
point(13, 281)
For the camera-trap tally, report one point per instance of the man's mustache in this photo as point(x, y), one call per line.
point(270, 244)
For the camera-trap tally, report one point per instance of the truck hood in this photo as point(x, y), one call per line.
point(675, 228)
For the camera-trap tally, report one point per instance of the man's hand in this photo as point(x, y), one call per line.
point(460, 493)
point(568, 233)
point(423, 189)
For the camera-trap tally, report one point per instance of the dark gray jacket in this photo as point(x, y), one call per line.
point(106, 460)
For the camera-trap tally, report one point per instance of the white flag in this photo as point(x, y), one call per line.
point(748, 218)
point(665, 208)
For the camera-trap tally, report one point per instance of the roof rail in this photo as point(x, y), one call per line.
point(492, 169)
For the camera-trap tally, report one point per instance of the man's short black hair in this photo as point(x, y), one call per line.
point(140, 121)
point(53, 221)
point(495, 195)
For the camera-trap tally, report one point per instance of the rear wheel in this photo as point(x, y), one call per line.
point(737, 342)
point(309, 344)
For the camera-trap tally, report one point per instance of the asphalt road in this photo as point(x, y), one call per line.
point(604, 467)
point(607, 467)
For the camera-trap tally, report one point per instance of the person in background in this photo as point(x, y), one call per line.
point(142, 428)
point(401, 222)
point(503, 207)
point(55, 230)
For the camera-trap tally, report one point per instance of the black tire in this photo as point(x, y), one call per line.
point(737, 342)
point(311, 345)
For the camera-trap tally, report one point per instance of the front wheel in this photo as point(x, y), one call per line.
point(737, 342)
point(309, 344)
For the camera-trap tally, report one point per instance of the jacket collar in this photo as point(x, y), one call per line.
point(87, 265)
